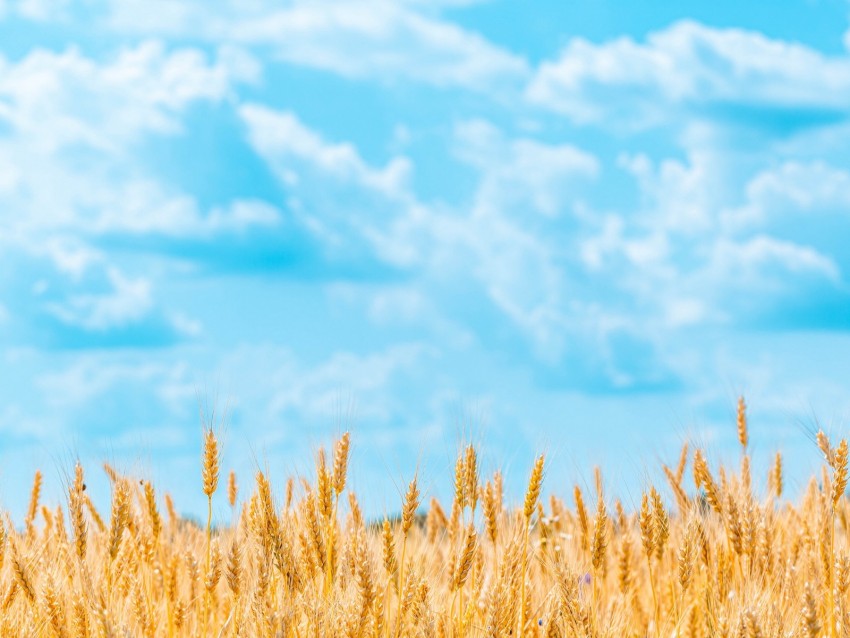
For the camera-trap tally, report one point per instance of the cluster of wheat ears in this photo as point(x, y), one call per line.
point(721, 562)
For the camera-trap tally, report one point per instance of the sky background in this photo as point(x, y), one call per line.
point(582, 228)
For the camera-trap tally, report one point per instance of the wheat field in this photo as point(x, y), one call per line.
point(716, 561)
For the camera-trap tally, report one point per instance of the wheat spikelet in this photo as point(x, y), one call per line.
point(120, 516)
point(290, 483)
point(76, 501)
point(465, 558)
point(152, 510)
point(751, 624)
point(686, 557)
point(341, 462)
point(213, 574)
point(704, 479)
point(4, 541)
point(232, 489)
point(211, 462)
point(776, 481)
point(365, 581)
point(532, 494)
point(682, 500)
point(53, 607)
point(825, 448)
point(324, 489)
point(11, 593)
point(660, 522)
point(647, 526)
point(839, 479)
point(811, 624)
point(600, 536)
point(733, 524)
point(581, 513)
point(435, 521)
point(746, 478)
point(81, 619)
point(110, 472)
point(22, 577)
point(169, 507)
point(32, 510)
point(743, 437)
point(622, 519)
point(470, 478)
point(535, 484)
point(624, 567)
point(411, 503)
point(460, 481)
point(390, 562)
point(682, 464)
point(490, 513)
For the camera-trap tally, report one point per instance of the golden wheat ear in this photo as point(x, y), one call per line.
point(743, 435)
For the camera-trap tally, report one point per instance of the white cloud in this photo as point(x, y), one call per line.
point(127, 301)
point(681, 197)
point(59, 99)
point(72, 126)
point(522, 277)
point(68, 159)
point(351, 204)
point(383, 40)
point(794, 188)
point(93, 376)
point(438, 4)
point(346, 203)
point(315, 391)
point(690, 254)
point(37, 10)
point(280, 138)
point(691, 65)
point(763, 263)
point(140, 207)
point(522, 171)
point(376, 39)
point(69, 255)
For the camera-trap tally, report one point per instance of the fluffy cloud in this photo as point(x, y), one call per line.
point(70, 296)
point(524, 171)
point(799, 202)
point(721, 73)
point(281, 138)
point(502, 249)
point(71, 130)
point(64, 99)
point(373, 39)
point(514, 254)
point(383, 40)
point(802, 189)
point(37, 10)
point(126, 301)
point(315, 393)
point(350, 207)
point(72, 125)
point(690, 253)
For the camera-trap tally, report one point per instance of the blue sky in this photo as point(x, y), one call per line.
point(579, 228)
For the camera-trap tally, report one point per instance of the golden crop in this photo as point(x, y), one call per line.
point(720, 562)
